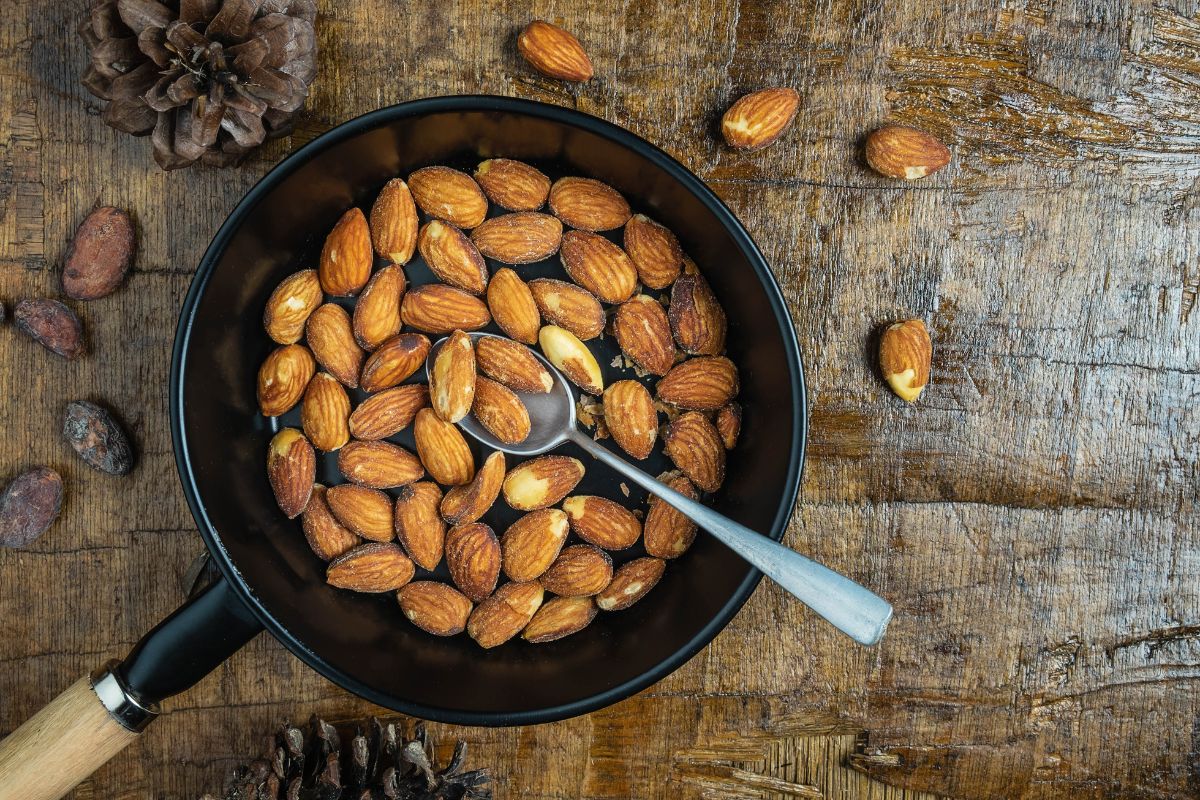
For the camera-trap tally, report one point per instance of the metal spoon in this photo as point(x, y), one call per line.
point(852, 609)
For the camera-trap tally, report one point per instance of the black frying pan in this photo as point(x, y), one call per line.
point(270, 579)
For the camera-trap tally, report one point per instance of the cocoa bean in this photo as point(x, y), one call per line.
point(52, 325)
point(28, 506)
point(97, 438)
point(99, 255)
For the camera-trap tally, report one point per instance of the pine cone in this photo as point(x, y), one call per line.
point(207, 79)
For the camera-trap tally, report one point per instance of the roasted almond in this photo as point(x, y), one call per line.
point(394, 222)
point(655, 251)
point(631, 418)
point(332, 342)
point(377, 312)
point(52, 325)
point(325, 413)
point(513, 307)
point(644, 334)
point(511, 184)
point(520, 238)
point(394, 361)
point(371, 567)
point(419, 526)
point(542, 482)
point(452, 378)
point(289, 306)
point(580, 570)
point(631, 583)
point(440, 309)
point(666, 532)
point(729, 424)
point(502, 616)
point(453, 257)
point(554, 52)
point(569, 306)
point(283, 377)
point(443, 451)
point(700, 384)
point(473, 558)
point(467, 503)
point(559, 617)
point(100, 255)
point(379, 465)
point(388, 412)
point(692, 442)
point(588, 204)
point(759, 118)
point(346, 258)
point(572, 357)
point(435, 607)
point(500, 411)
point(448, 194)
point(367, 512)
point(601, 522)
point(531, 544)
point(905, 356)
point(898, 151)
point(599, 266)
point(327, 537)
point(512, 364)
point(291, 469)
point(697, 319)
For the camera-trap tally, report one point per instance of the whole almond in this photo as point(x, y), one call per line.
point(99, 255)
point(439, 309)
point(542, 482)
point(500, 411)
point(97, 437)
point(331, 339)
point(452, 256)
point(554, 52)
point(346, 258)
point(572, 357)
point(513, 307)
point(473, 558)
point(327, 537)
point(697, 319)
point(419, 526)
point(655, 251)
point(291, 469)
point(631, 417)
point(435, 607)
point(367, 512)
point(290, 305)
point(467, 503)
point(520, 238)
point(898, 151)
point(631, 583)
point(511, 184)
point(388, 412)
point(559, 617)
point(372, 567)
point(512, 364)
point(394, 222)
point(29, 505)
point(443, 451)
point(729, 424)
point(531, 544)
point(700, 384)
point(377, 312)
point(759, 118)
point(602, 522)
point(599, 266)
point(379, 465)
point(283, 377)
point(692, 442)
point(580, 570)
point(644, 334)
point(452, 378)
point(569, 306)
point(52, 325)
point(394, 361)
point(325, 413)
point(666, 532)
point(450, 195)
point(588, 204)
point(502, 616)
point(905, 356)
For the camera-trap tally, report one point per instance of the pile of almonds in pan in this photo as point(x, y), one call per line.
point(624, 275)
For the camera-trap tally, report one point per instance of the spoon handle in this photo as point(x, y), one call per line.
point(856, 611)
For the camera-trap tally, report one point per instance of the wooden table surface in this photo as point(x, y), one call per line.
point(1033, 518)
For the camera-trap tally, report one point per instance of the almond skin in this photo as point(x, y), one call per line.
point(554, 52)
point(511, 184)
point(452, 378)
point(394, 222)
point(520, 238)
point(367, 512)
point(449, 195)
point(513, 307)
point(572, 357)
point(729, 424)
point(697, 319)
point(599, 266)
point(580, 570)
point(531, 544)
point(631, 417)
point(898, 151)
point(655, 251)
point(377, 312)
point(100, 255)
point(373, 567)
point(379, 465)
point(644, 334)
point(388, 412)
point(500, 411)
point(569, 306)
point(666, 532)
point(542, 482)
point(443, 450)
point(291, 470)
point(325, 413)
point(327, 537)
point(692, 442)
point(559, 617)
point(439, 309)
point(473, 558)
point(290, 305)
point(346, 258)
point(283, 377)
point(453, 257)
point(700, 384)
point(331, 339)
point(502, 616)
point(418, 525)
point(435, 607)
point(602, 522)
point(588, 204)
point(631, 583)
point(905, 356)
point(467, 503)
point(52, 325)
point(512, 364)
point(394, 361)
point(759, 118)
